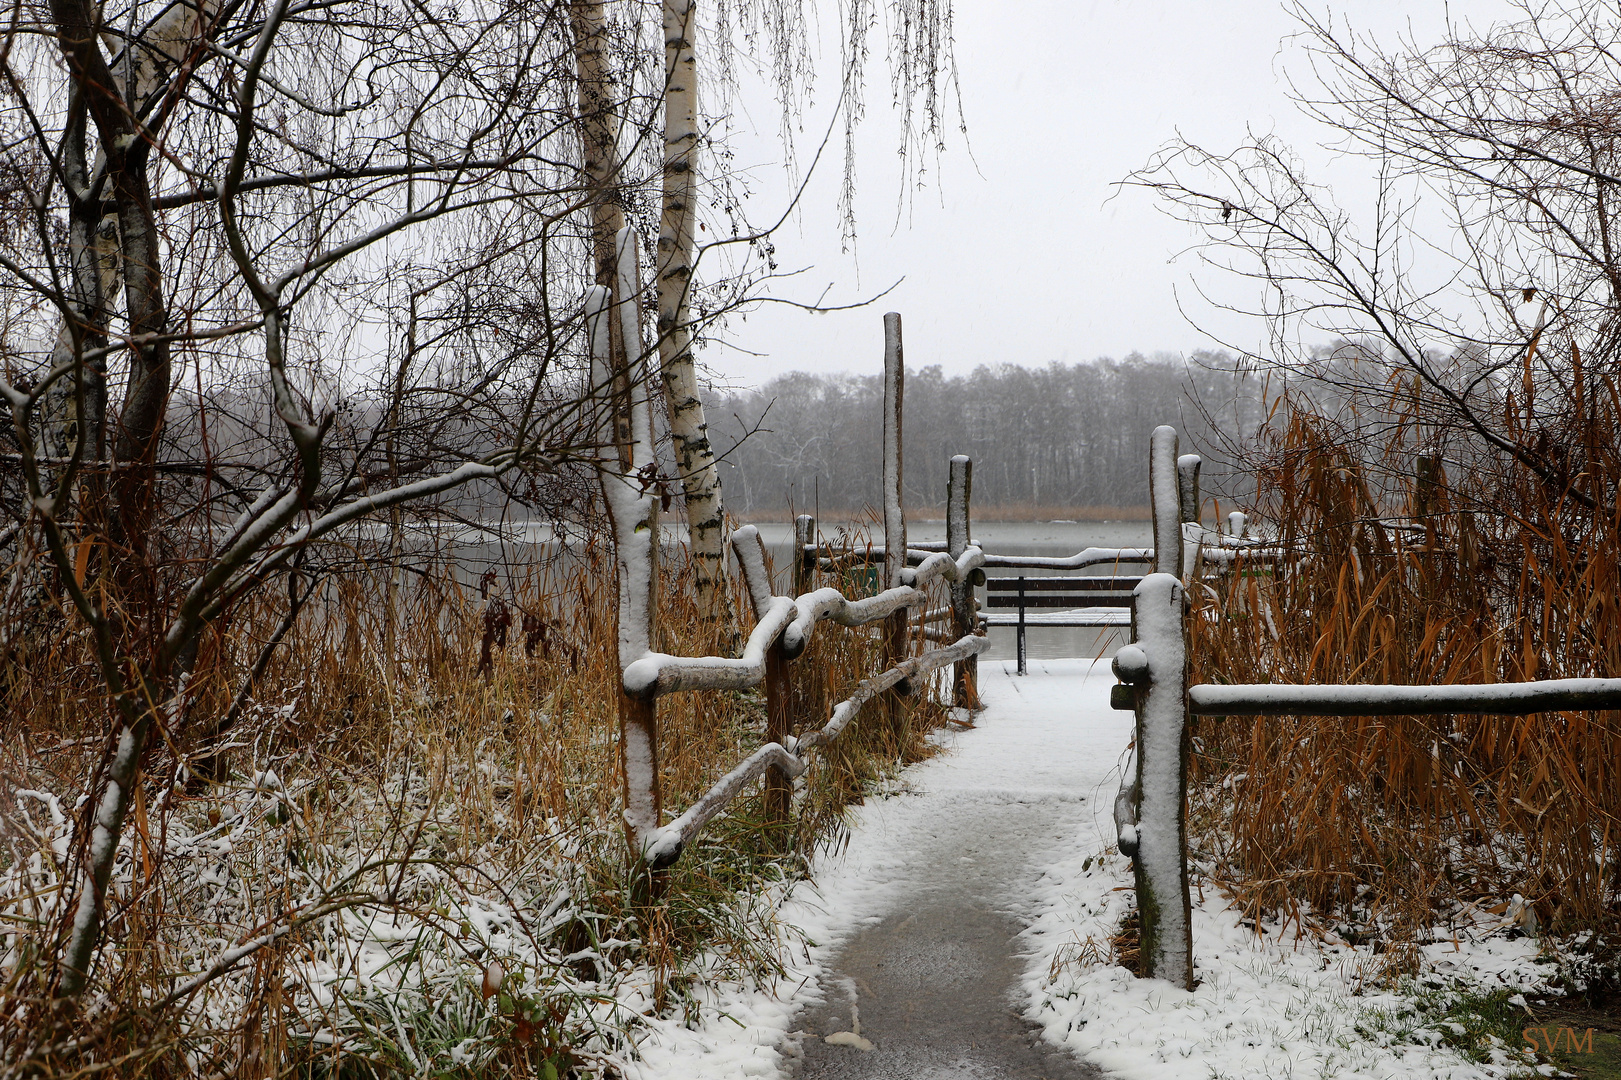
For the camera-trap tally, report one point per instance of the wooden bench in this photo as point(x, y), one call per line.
point(1106, 602)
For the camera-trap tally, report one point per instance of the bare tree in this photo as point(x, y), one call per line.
point(245, 198)
point(1498, 328)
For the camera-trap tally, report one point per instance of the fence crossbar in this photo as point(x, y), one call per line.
point(662, 846)
point(1390, 699)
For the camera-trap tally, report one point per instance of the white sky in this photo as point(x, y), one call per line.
point(1023, 251)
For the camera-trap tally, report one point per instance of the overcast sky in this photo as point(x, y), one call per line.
point(1021, 249)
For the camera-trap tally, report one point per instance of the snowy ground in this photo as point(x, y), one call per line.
point(1050, 743)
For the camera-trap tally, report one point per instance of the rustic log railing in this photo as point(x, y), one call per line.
point(1150, 811)
point(784, 625)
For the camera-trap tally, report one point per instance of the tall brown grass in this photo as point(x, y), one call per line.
point(1395, 825)
point(390, 741)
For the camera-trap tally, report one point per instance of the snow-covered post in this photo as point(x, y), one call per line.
point(804, 537)
point(1149, 811)
point(1161, 862)
point(1426, 483)
point(894, 519)
point(959, 492)
point(1187, 492)
point(1165, 500)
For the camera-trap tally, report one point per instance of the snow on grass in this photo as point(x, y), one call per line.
point(1267, 1004)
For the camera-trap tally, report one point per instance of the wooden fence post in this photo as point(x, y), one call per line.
point(779, 786)
point(1164, 907)
point(804, 567)
point(894, 519)
point(959, 492)
point(1165, 500)
point(1426, 486)
point(1187, 492)
point(634, 518)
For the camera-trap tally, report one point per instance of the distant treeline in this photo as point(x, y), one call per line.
point(1071, 435)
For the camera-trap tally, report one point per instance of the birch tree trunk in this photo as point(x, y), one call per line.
point(700, 481)
point(600, 160)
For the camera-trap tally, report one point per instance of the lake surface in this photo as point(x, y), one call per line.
point(512, 548)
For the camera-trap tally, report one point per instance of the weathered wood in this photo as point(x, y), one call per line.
point(1499, 699)
point(804, 563)
point(779, 786)
point(639, 757)
point(1187, 492)
point(1164, 500)
point(1187, 486)
point(1164, 906)
point(894, 388)
point(959, 494)
point(1155, 667)
point(895, 634)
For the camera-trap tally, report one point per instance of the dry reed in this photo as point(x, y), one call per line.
point(378, 756)
point(1390, 827)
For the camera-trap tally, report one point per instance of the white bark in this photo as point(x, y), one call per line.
point(700, 480)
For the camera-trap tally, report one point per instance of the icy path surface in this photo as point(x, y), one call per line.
point(919, 917)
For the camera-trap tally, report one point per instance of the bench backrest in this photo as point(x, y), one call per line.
point(1060, 592)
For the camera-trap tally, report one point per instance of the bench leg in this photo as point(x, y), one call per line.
point(1021, 626)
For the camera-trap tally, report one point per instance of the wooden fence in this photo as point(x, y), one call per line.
point(784, 625)
point(1150, 811)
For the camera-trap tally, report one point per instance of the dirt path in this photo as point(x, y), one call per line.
point(932, 973)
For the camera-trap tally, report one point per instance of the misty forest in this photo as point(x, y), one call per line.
point(420, 656)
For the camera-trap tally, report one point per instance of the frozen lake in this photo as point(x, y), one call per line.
point(519, 546)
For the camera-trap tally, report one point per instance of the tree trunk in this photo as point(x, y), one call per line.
point(700, 481)
point(599, 158)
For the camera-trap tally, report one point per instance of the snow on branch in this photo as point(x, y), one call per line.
point(1513, 699)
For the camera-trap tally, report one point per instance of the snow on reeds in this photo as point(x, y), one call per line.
point(393, 863)
point(1479, 572)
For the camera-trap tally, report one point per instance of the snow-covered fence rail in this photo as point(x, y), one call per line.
point(1395, 699)
point(1150, 811)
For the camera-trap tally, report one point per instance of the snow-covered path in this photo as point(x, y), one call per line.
point(931, 963)
point(920, 913)
point(978, 892)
